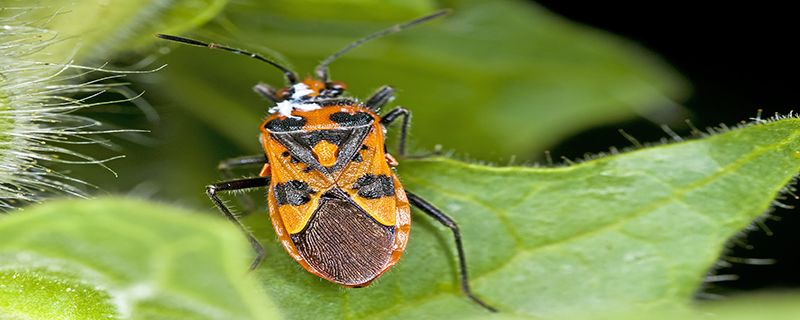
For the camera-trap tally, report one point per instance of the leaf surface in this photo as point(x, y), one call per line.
point(627, 234)
point(634, 232)
point(120, 259)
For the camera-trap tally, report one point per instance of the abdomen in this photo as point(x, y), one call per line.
point(343, 243)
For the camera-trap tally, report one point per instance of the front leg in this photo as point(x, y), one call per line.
point(234, 185)
point(379, 99)
point(389, 117)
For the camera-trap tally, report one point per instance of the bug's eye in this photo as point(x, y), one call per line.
point(338, 85)
point(283, 93)
point(335, 88)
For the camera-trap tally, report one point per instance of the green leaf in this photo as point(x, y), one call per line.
point(630, 233)
point(114, 258)
point(771, 306)
point(492, 79)
point(761, 306)
point(626, 234)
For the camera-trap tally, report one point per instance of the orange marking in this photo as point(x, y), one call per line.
point(315, 85)
point(296, 218)
point(283, 93)
point(326, 153)
point(339, 85)
point(265, 171)
point(384, 210)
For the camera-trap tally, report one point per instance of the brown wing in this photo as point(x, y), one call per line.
point(343, 243)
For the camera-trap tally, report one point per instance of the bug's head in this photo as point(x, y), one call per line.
point(311, 89)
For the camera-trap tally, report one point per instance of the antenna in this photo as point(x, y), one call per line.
point(290, 76)
point(322, 70)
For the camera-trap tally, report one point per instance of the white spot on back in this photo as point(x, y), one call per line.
point(301, 90)
point(285, 108)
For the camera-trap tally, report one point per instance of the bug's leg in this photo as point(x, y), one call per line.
point(379, 99)
point(390, 117)
point(444, 219)
point(266, 91)
point(234, 185)
point(248, 161)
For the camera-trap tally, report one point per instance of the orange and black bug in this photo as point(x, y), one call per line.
point(335, 203)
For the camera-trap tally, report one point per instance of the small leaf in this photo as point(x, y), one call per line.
point(114, 258)
point(630, 233)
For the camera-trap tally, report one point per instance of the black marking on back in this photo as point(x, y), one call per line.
point(311, 138)
point(344, 243)
point(352, 120)
point(288, 124)
point(293, 159)
point(335, 102)
point(349, 141)
point(370, 186)
point(350, 146)
point(293, 193)
point(300, 151)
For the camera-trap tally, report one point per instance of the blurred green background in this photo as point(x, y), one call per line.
point(497, 81)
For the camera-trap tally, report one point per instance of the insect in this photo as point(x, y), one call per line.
point(334, 200)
